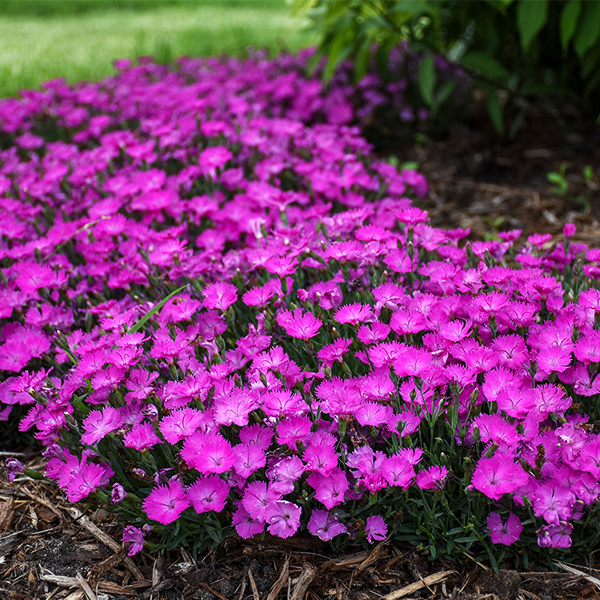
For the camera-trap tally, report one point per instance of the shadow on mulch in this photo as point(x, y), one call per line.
point(50, 549)
point(487, 184)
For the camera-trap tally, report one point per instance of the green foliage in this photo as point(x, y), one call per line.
point(575, 189)
point(537, 50)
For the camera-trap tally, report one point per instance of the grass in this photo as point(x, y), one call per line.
point(79, 39)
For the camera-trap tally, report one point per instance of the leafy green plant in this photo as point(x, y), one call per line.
point(514, 49)
point(579, 190)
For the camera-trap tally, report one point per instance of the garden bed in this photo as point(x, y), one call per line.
point(50, 547)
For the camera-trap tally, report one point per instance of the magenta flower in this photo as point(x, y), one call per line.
point(141, 437)
point(497, 476)
point(117, 494)
point(13, 468)
point(293, 430)
point(134, 536)
point(181, 424)
point(99, 423)
point(504, 533)
point(248, 458)
point(555, 536)
point(87, 479)
point(398, 471)
point(214, 158)
point(285, 473)
point(258, 497)
point(165, 503)
point(376, 332)
point(554, 504)
point(411, 216)
point(374, 414)
point(235, 407)
point(330, 490)
point(325, 525)
point(376, 529)
point(432, 478)
point(354, 314)
point(208, 493)
point(220, 295)
point(299, 324)
point(283, 518)
point(334, 352)
point(320, 458)
point(245, 525)
point(208, 453)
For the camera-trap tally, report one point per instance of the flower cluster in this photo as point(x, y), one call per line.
point(226, 312)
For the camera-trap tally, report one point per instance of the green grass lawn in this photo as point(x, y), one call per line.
point(80, 39)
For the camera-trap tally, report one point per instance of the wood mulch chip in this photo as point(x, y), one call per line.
point(49, 548)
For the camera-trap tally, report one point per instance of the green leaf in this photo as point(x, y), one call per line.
point(588, 30)
point(495, 111)
point(339, 49)
point(568, 22)
point(590, 61)
point(531, 17)
point(445, 91)
point(361, 62)
point(427, 78)
point(486, 65)
point(143, 320)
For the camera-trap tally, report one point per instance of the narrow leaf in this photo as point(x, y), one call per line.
point(495, 111)
point(143, 320)
point(531, 17)
point(588, 29)
point(427, 78)
point(568, 22)
point(486, 65)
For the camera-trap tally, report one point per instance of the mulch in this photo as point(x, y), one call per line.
point(50, 548)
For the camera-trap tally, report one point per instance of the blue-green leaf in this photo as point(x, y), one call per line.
point(531, 17)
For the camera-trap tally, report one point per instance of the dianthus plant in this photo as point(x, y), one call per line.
point(227, 317)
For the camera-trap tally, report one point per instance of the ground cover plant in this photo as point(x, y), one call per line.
point(225, 315)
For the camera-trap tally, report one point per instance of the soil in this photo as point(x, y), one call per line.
point(49, 550)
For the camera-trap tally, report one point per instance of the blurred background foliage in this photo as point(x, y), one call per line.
point(79, 39)
point(518, 52)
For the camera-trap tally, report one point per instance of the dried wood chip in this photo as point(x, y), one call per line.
point(373, 557)
point(109, 587)
point(85, 586)
point(6, 514)
point(304, 580)
point(211, 590)
point(253, 585)
point(345, 561)
point(60, 580)
point(44, 502)
point(157, 571)
point(571, 569)
point(104, 538)
point(413, 587)
point(281, 580)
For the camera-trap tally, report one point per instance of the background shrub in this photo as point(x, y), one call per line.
point(518, 51)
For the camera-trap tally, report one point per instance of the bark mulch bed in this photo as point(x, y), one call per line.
point(51, 549)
